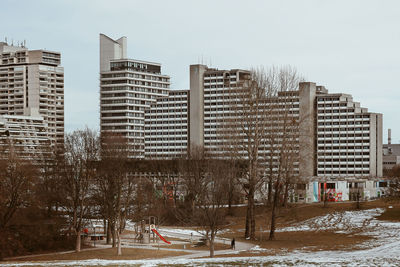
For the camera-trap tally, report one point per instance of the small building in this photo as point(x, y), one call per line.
point(338, 190)
point(391, 153)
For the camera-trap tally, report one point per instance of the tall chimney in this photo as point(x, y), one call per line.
point(389, 136)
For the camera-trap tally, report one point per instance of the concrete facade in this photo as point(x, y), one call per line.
point(334, 136)
point(111, 49)
point(307, 130)
point(349, 138)
point(27, 134)
point(127, 88)
point(166, 126)
point(32, 84)
point(196, 138)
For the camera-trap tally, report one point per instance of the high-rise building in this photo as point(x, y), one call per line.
point(349, 137)
point(127, 88)
point(166, 126)
point(32, 84)
point(332, 136)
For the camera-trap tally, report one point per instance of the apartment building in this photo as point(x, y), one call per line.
point(127, 88)
point(166, 126)
point(349, 137)
point(32, 84)
point(27, 134)
point(332, 136)
point(226, 125)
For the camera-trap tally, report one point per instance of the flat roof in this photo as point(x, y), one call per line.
point(136, 60)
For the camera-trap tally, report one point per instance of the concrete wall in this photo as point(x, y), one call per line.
point(35, 56)
point(307, 137)
point(376, 151)
point(111, 49)
point(379, 144)
point(312, 192)
point(341, 187)
point(4, 47)
point(33, 91)
point(196, 117)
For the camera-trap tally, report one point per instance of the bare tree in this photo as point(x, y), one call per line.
point(49, 186)
point(115, 186)
point(283, 137)
point(246, 130)
point(206, 184)
point(394, 181)
point(17, 180)
point(193, 170)
point(77, 172)
point(212, 199)
point(263, 130)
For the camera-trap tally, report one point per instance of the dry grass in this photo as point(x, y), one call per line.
point(292, 214)
point(391, 214)
point(107, 254)
point(310, 241)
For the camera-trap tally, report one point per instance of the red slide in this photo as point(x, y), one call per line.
point(160, 236)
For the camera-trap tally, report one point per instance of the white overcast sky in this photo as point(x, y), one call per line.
point(348, 46)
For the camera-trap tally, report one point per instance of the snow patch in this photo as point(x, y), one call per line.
point(341, 222)
point(257, 249)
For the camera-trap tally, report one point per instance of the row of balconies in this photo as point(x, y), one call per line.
point(343, 169)
point(102, 79)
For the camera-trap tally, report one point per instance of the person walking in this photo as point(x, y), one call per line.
point(233, 243)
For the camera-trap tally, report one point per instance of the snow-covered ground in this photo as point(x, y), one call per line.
point(383, 250)
point(175, 232)
point(386, 234)
point(293, 259)
point(341, 222)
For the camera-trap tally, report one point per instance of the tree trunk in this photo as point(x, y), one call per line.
point(325, 200)
point(212, 244)
point(285, 195)
point(78, 241)
point(193, 205)
point(253, 224)
point(252, 219)
point(108, 238)
point(247, 229)
point(230, 198)
point(105, 227)
point(119, 253)
point(113, 234)
point(252, 233)
point(273, 213)
point(269, 191)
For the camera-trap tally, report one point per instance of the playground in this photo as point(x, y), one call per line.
point(334, 235)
